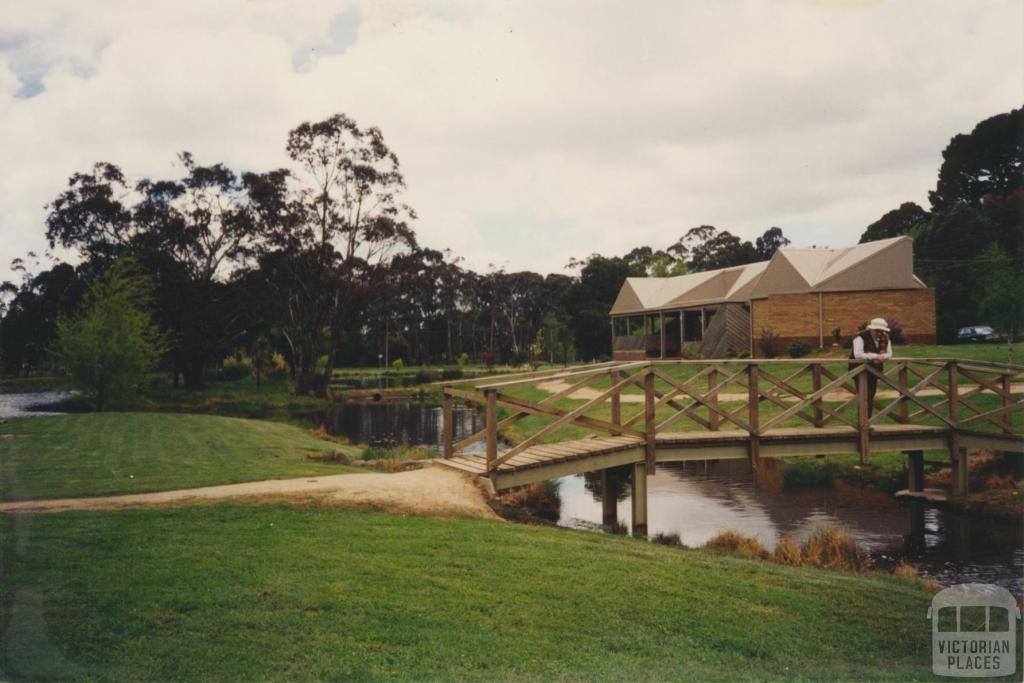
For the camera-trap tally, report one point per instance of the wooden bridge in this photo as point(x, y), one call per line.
point(598, 417)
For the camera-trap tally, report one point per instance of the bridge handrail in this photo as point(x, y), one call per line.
point(914, 380)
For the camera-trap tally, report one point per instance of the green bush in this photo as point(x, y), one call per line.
point(376, 454)
point(426, 376)
point(798, 349)
point(452, 373)
point(111, 345)
point(234, 371)
point(397, 364)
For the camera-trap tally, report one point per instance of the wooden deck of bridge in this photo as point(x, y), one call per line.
point(546, 461)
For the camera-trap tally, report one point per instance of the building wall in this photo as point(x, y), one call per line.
point(913, 308)
point(796, 316)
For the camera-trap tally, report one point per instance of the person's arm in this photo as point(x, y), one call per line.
point(886, 354)
point(858, 350)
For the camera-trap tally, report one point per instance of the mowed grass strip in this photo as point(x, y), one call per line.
point(98, 454)
point(271, 592)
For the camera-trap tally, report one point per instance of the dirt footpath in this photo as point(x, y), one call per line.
point(433, 491)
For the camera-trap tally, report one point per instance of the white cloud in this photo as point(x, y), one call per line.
point(528, 132)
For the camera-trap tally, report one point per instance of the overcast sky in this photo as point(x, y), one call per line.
point(529, 131)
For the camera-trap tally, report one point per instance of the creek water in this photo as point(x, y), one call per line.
point(29, 404)
point(386, 424)
point(697, 500)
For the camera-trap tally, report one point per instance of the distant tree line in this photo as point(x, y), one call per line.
point(970, 245)
point(318, 261)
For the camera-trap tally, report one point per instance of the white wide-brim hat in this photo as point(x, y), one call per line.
point(878, 324)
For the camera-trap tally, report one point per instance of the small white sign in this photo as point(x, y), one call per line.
point(974, 631)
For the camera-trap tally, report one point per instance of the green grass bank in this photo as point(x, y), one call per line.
point(272, 592)
point(96, 454)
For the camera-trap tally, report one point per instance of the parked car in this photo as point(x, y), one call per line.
point(979, 333)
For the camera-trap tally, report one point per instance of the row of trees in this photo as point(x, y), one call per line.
point(318, 261)
point(969, 245)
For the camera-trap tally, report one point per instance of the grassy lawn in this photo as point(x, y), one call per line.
point(99, 454)
point(233, 592)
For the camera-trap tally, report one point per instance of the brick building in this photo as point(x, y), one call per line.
point(805, 294)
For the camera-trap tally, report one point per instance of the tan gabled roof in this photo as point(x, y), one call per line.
point(712, 286)
point(884, 264)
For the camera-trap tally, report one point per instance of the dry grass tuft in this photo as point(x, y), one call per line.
point(908, 571)
point(539, 499)
point(787, 552)
point(830, 548)
point(736, 543)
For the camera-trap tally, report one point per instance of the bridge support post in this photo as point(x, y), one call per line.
point(640, 499)
point(447, 424)
point(650, 441)
point(491, 420)
point(959, 457)
point(754, 418)
point(915, 471)
point(863, 417)
point(609, 501)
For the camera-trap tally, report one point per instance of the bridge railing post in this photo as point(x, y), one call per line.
point(447, 426)
point(491, 422)
point(1006, 417)
point(816, 387)
point(863, 416)
point(953, 393)
point(904, 416)
point(713, 417)
point(615, 377)
point(650, 440)
point(754, 416)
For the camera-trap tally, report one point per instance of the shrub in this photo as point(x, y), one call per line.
point(397, 364)
point(112, 345)
point(896, 333)
point(767, 343)
point(798, 349)
point(667, 539)
point(372, 453)
point(425, 376)
point(830, 548)
point(539, 499)
point(787, 552)
point(690, 351)
point(735, 543)
point(278, 373)
point(463, 359)
point(234, 371)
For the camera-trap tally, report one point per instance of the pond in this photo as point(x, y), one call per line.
point(697, 500)
point(24, 405)
point(386, 424)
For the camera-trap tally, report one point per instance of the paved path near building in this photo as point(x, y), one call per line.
point(431, 491)
point(589, 393)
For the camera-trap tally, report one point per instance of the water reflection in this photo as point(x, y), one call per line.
point(388, 424)
point(699, 499)
point(22, 405)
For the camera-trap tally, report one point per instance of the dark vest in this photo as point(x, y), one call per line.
point(869, 346)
